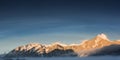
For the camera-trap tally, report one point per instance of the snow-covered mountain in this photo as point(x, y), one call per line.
point(86, 48)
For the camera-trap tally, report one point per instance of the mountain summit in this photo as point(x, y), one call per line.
point(57, 49)
point(103, 36)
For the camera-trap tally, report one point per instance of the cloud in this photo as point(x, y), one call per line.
point(108, 50)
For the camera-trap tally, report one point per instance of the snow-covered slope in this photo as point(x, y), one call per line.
point(85, 48)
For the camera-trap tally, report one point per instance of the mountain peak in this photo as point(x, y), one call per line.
point(103, 36)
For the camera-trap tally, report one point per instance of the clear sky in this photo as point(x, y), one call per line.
point(48, 21)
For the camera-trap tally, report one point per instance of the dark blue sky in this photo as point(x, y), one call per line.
point(48, 21)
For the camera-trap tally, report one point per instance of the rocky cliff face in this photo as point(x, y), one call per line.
point(86, 48)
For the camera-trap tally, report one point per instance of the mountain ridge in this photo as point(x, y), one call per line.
point(82, 49)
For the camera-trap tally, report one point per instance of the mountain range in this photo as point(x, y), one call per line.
point(97, 46)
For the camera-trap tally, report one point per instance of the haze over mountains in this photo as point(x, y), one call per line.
point(99, 45)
